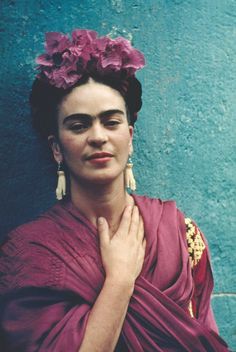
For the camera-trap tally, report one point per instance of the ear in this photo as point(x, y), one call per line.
point(131, 132)
point(56, 149)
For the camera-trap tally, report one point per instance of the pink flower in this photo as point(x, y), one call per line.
point(69, 60)
point(83, 38)
point(81, 54)
point(65, 61)
point(133, 61)
point(44, 60)
point(67, 73)
point(109, 56)
point(100, 44)
point(62, 77)
point(56, 42)
point(119, 55)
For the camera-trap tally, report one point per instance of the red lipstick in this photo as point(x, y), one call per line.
point(100, 157)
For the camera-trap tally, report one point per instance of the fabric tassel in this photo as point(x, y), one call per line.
point(129, 176)
point(61, 183)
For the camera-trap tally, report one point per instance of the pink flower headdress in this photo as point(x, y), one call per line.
point(67, 60)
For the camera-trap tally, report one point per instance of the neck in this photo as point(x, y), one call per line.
point(95, 200)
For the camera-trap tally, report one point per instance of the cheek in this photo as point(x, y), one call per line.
point(126, 140)
point(126, 134)
point(125, 145)
point(70, 145)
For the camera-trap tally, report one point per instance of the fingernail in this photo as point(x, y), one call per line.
point(100, 221)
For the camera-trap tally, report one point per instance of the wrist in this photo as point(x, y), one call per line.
point(120, 284)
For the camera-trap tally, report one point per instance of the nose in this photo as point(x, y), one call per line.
point(97, 135)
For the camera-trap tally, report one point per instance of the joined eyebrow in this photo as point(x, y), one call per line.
point(101, 115)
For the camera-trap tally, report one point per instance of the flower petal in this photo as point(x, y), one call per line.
point(56, 42)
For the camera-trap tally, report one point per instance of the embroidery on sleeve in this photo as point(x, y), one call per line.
point(195, 242)
point(190, 308)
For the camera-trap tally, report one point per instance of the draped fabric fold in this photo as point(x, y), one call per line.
point(51, 274)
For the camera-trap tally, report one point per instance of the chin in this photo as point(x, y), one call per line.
point(104, 179)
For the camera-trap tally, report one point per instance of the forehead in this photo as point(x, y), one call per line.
point(91, 98)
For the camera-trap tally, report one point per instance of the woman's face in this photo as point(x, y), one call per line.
point(94, 138)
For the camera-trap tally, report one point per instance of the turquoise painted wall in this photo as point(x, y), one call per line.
point(185, 135)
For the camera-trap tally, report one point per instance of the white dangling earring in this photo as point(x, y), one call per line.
point(129, 176)
point(61, 183)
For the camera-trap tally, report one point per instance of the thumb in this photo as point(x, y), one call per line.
point(103, 230)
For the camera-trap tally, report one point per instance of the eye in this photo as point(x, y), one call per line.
point(112, 122)
point(78, 127)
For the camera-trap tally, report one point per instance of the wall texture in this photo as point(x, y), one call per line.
point(185, 135)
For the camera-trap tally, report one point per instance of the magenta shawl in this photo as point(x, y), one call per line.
point(51, 274)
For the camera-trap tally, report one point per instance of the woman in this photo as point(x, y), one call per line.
point(102, 270)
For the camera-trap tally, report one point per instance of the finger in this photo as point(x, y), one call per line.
point(134, 225)
point(103, 230)
point(140, 234)
point(144, 244)
point(125, 221)
point(143, 251)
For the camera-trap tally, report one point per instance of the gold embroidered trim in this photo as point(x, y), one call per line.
point(190, 308)
point(195, 242)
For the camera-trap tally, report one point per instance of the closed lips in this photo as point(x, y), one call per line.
point(99, 155)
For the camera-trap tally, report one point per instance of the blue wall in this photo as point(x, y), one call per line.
point(185, 135)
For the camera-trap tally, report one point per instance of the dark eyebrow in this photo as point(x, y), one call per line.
point(101, 115)
point(108, 113)
point(76, 117)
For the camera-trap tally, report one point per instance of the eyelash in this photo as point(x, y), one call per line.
point(78, 127)
point(112, 123)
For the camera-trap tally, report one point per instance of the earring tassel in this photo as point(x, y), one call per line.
point(129, 176)
point(61, 185)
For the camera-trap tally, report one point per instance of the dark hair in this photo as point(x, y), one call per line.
point(45, 99)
